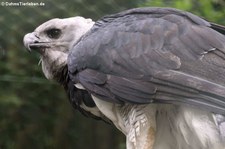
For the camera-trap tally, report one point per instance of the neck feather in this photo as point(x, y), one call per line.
point(53, 63)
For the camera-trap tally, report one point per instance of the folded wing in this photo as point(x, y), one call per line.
point(153, 55)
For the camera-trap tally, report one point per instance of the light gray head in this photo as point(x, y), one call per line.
point(53, 40)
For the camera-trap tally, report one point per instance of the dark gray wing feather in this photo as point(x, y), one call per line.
point(153, 55)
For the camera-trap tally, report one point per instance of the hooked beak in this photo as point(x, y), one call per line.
point(32, 42)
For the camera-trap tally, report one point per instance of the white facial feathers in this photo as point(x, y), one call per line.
point(59, 32)
point(71, 29)
point(53, 40)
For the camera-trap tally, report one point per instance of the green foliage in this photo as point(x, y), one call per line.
point(212, 10)
point(34, 112)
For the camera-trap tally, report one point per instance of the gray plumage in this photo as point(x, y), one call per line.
point(156, 73)
point(153, 55)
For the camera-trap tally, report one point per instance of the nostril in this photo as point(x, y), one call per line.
point(36, 41)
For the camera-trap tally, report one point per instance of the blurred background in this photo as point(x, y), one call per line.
point(35, 112)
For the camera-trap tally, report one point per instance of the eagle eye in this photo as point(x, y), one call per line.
point(53, 33)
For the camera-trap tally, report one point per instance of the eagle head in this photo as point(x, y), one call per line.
point(53, 40)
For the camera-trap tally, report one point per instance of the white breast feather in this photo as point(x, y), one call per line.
point(177, 127)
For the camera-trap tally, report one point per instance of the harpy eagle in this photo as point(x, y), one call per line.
point(157, 74)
